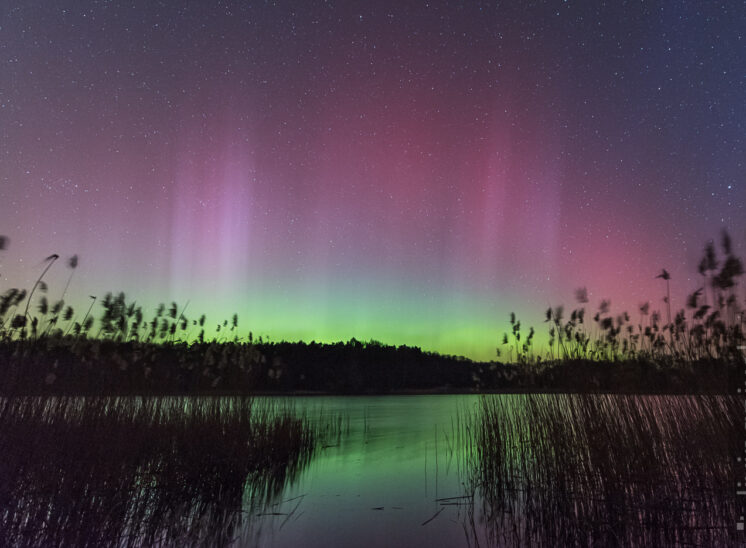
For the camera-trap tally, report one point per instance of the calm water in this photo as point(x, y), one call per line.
point(382, 482)
point(651, 470)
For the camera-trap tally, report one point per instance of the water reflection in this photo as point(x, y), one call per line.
point(368, 471)
point(380, 486)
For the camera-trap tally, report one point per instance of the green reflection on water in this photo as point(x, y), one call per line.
point(367, 471)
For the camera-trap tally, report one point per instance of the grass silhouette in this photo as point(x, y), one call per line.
point(39, 284)
point(698, 332)
point(544, 469)
point(601, 470)
point(146, 471)
point(120, 350)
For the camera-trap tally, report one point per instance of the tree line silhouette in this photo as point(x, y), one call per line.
point(46, 346)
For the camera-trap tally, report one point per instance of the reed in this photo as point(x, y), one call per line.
point(602, 470)
point(145, 471)
point(700, 332)
point(117, 348)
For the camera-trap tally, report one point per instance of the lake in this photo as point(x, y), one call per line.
point(642, 470)
point(383, 481)
point(420, 470)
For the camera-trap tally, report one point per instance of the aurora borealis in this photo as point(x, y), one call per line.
point(410, 172)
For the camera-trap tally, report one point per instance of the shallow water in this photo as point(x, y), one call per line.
point(384, 479)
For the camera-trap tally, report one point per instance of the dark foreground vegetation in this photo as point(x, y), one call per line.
point(47, 347)
point(146, 471)
point(94, 366)
point(601, 470)
point(91, 458)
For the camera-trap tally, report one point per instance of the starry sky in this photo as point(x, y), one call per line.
point(409, 172)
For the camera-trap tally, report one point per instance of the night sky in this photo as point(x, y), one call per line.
point(410, 172)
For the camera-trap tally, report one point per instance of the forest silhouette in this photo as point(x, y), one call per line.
point(48, 347)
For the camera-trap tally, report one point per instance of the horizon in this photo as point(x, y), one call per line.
point(58, 279)
point(408, 174)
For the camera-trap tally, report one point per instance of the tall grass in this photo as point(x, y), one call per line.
point(588, 470)
point(116, 347)
point(144, 471)
point(699, 331)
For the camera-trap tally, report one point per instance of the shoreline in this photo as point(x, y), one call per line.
point(409, 392)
